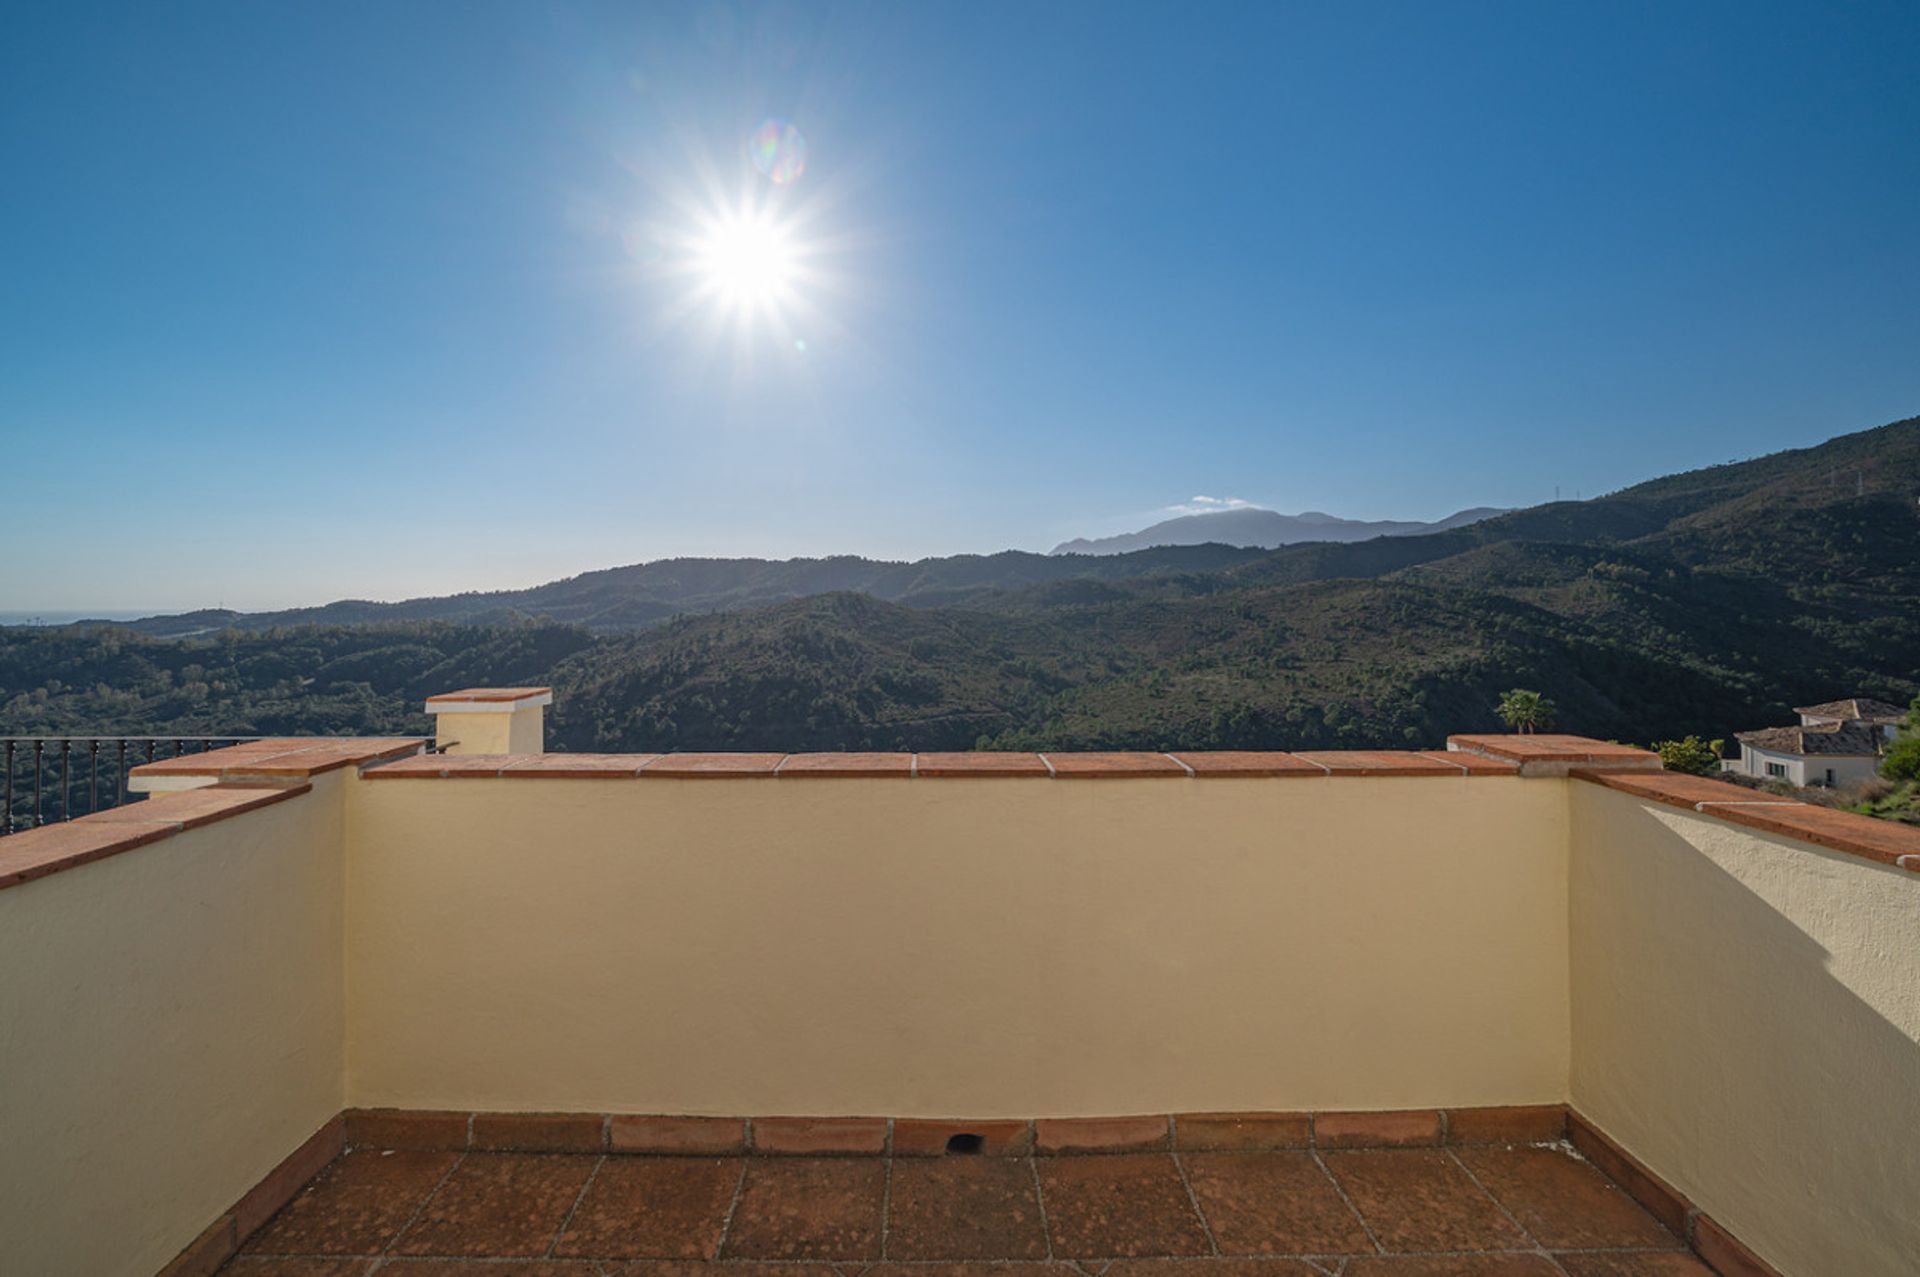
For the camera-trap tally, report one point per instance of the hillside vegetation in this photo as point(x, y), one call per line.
point(1698, 603)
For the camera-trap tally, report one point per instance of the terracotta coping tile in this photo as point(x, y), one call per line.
point(1248, 762)
point(1112, 765)
point(35, 853)
point(1884, 841)
point(191, 808)
point(252, 751)
point(359, 751)
point(1552, 748)
point(1676, 788)
point(471, 694)
point(861, 765)
point(1475, 764)
point(290, 760)
point(979, 763)
point(441, 766)
point(696, 766)
point(578, 766)
point(1380, 762)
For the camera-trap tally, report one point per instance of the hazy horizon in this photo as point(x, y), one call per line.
point(382, 301)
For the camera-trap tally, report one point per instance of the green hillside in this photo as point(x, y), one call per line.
point(1701, 603)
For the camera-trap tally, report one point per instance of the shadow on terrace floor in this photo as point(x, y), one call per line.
point(1524, 1211)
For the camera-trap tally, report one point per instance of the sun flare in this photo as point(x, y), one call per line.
point(748, 263)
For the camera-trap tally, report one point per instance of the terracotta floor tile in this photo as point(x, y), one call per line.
point(501, 1205)
point(808, 1208)
point(1417, 1199)
point(1211, 1268)
point(1645, 1263)
point(492, 1268)
point(1563, 1201)
point(692, 1268)
point(285, 1266)
point(355, 1206)
point(1453, 1266)
point(1128, 1204)
point(973, 1268)
point(653, 1208)
point(1273, 1203)
point(964, 1208)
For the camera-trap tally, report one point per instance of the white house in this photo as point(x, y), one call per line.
point(1835, 744)
point(1863, 710)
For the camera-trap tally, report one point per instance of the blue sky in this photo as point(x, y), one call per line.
point(312, 301)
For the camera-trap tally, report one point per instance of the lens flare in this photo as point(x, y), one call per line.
point(779, 151)
point(748, 262)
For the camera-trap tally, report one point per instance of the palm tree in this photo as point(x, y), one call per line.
point(1524, 711)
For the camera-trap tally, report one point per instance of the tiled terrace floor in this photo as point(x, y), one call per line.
point(1526, 1211)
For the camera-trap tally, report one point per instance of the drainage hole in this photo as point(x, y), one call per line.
point(965, 1143)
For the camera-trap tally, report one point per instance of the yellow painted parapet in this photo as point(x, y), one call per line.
point(490, 720)
point(1725, 983)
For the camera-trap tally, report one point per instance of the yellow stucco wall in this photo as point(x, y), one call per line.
point(956, 947)
point(483, 731)
point(171, 1027)
point(1746, 1021)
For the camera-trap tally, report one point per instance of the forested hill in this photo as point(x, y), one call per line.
point(644, 594)
point(1703, 602)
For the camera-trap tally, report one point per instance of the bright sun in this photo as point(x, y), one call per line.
point(748, 263)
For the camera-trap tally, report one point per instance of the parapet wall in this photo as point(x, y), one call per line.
point(1722, 985)
point(985, 947)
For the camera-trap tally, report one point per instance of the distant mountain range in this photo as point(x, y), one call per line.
point(1702, 602)
point(1265, 529)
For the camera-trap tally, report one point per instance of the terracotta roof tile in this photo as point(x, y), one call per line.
point(1860, 708)
point(1847, 741)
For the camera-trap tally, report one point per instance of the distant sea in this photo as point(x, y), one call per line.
point(68, 618)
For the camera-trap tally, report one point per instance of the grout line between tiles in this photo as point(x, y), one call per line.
point(1501, 1206)
point(574, 1209)
point(1040, 1201)
point(1193, 1199)
point(886, 1193)
point(1365, 1227)
point(726, 1225)
point(420, 1210)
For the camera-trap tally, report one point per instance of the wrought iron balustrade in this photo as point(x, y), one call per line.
point(46, 779)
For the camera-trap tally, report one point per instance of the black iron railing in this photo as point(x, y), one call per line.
point(52, 778)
